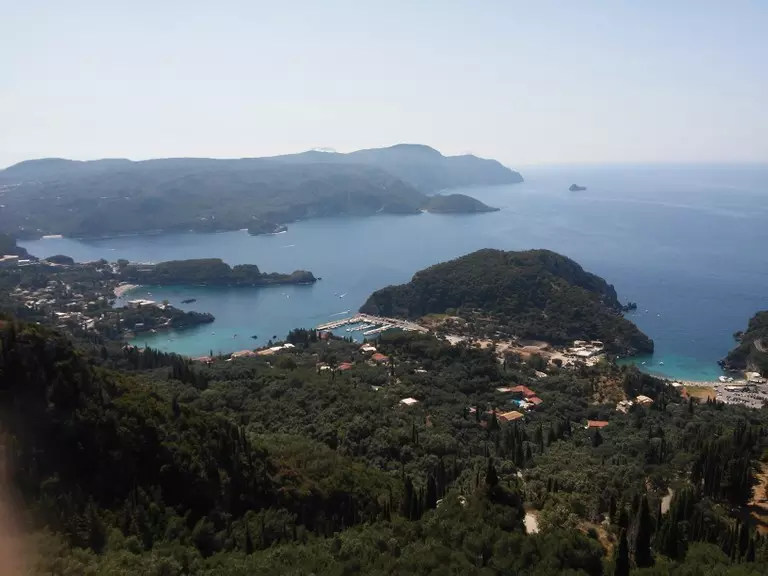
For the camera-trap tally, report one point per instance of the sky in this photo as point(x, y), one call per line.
point(524, 82)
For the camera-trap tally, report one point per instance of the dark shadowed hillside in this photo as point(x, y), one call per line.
point(533, 294)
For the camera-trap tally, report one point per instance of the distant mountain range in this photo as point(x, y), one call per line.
point(118, 196)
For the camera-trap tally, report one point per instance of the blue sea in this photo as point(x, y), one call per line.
point(687, 243)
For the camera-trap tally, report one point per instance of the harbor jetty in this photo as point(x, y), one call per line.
point(372, 325)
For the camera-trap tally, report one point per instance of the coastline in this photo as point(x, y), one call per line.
point(123, 289)
point(712, 383)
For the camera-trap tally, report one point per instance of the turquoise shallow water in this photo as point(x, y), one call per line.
point(685, 243)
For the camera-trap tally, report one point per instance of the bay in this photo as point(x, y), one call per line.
point(687, 243)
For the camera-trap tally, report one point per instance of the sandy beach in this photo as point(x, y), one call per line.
point(711, 383)
point(123, 288)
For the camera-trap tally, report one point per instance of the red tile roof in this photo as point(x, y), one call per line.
point(535, 400)
point(596, 423)
point(345, 366)
point(379, 357)
point(510, 416)
point(524, 390)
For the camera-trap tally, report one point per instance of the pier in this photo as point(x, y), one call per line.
point(373, 324)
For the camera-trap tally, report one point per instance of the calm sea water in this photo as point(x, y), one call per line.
point(688, 244)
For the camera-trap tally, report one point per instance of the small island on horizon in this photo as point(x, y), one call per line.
point(577, 188)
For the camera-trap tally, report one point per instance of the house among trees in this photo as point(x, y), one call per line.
point(380, 358)
point(509, 416)
point(523, 391)
point(596, 424)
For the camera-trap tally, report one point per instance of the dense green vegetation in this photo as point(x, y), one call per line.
point(456, 203)
point(109, 197)
point(752, 350)
point(208, 271)
point(534, 294)
point(139, 462)
point(132, 461)
point(61, 259)
point(144, 318)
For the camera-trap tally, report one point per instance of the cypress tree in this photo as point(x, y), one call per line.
point(643, 556)
point(440, 480)
point(622, 556)
point(408, 497)
point(431, 494)
point(248, 540)
point(491, 478)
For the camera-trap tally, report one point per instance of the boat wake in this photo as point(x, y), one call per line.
point(341, 313)
point(289, 245)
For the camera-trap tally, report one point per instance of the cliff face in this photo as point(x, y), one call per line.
point(751, 353)
point(534, 294)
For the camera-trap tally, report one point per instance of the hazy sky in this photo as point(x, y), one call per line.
point(524, 82)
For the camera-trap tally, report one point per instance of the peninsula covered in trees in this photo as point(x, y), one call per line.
point(260, 227)
point(456, 204)
point(752, 350)
point(534, 294)
point(117, 196)
point(209, 272)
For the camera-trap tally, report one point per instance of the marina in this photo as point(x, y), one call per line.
point(371, 325)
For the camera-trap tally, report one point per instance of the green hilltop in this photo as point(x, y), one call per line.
point(534, 294)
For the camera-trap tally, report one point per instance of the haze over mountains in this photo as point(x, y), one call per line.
point(118, 196)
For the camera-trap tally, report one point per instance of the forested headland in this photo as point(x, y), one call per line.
point(456, 204)
point(751, 353)
point(534, 294)
point(207, 271)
